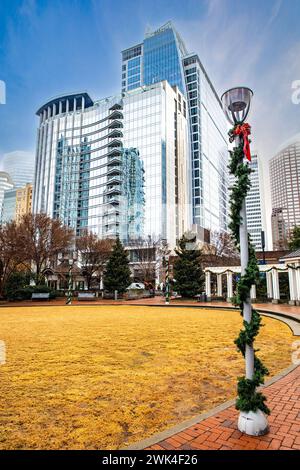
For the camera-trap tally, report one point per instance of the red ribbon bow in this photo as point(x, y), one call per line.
point(244, 130)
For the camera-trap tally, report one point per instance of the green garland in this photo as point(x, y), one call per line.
point(248, 397)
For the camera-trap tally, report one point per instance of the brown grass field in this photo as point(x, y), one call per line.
point(102, 377)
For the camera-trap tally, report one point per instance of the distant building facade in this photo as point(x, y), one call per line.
point(9, 206)
point(279, 230)
point(23, 202)
point(20, 166)
point(6, 183)
point(16, 203)
point(254, 204)
point(285, 189)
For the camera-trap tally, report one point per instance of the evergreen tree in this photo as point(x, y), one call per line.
point(188, 274)
point(117, 274)
point(294, 242)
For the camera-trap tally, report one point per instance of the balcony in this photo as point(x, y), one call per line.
point(115, 143)
point(114, 179)
point(116, 115)
point(115, 106)
point(115, 125)
point(114, 170)
point(114, 200)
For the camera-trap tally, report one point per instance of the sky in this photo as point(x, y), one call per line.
point(49, 47)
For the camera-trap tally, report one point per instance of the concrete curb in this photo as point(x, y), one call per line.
point(161, 436)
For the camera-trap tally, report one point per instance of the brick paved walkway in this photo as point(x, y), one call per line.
point(219, 431)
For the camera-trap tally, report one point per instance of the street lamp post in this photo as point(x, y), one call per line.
point(72, 259)
point(167, 258)
point(166, 264)
point(252, 419)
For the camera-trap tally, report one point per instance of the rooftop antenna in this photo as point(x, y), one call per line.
point(148, 30)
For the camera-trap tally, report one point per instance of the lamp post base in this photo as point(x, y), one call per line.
point(253, 423)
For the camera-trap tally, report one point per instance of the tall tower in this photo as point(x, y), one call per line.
point(163, 56)
point(285, 186)
point(254, 204)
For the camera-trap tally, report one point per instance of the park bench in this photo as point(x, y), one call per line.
point(86, 296)
point(40, 296)
point(201, 297)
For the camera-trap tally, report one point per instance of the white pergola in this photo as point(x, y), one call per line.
point(290, 264)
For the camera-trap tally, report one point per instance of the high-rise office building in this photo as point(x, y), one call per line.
point(279, 232)
point(9, 206)
point(285, 184)
point(254, 204)
point(117, 165)
point(20, 166)
point(23, 202)
point(16, 203)
point(163, 56)
point(6, 183)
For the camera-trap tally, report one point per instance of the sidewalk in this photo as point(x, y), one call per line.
point(217, 430)
point(284, 309)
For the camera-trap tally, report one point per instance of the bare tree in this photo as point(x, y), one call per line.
point(9, 252)
point(94, 253)
point(147, 258)
point(220, 251)
point(40, 239)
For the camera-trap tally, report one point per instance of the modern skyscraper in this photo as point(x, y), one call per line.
point(163, 56)
point(285, 184)
point(117, 165)
point(254, 204)
point(6, 183)
point(20, 166)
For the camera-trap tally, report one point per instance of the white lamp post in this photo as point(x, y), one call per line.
point(236, 106)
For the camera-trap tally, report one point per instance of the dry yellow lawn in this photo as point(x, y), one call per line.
point(104, 377)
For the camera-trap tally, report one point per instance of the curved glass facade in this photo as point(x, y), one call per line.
point(111, 167)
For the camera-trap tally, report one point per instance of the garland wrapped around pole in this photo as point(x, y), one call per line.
point(249, 399)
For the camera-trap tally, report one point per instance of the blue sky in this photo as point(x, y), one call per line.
point(48, 47)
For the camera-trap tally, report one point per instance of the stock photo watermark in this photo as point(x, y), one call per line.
point(296, 352)
point(2, 92)
point(2, 353)
point(296, 92)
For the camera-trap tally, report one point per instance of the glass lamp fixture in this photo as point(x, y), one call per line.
point(236, 104)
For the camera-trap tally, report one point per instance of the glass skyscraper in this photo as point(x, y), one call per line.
point(116, 166)
point(163, 56)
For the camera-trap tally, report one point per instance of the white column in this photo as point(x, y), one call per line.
point(101, 282)
point(275, 283)
point(219, 285)
point(60, 107)
point(297, 282)
point(82, 103)
point(229, 286)
point(74, 105)
point(269, 285)
point(253, 292)
point(208, 285)
point(67, 106)
point(292, 286)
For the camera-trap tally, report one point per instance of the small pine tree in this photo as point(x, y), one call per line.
point(294, 242)
point(117, 274)
point(188, 274)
